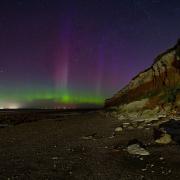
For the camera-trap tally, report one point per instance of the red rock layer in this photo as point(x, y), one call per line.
point(163, 79)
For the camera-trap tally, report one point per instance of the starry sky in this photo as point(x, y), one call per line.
point(71, 53)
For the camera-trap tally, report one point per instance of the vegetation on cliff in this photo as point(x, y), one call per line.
point(160, 84)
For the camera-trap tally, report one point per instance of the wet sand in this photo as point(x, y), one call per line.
point(78, 146)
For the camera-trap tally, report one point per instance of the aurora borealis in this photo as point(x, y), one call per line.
point(56, 53)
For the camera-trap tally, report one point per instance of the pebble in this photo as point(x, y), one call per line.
point(169, 171)
point(165, 139)
point(118, 129)
point(125, 125)
point(142, 177)
point(161, 158)
point(111, 137)
point(137, 150)
point(130, 128)
point(140, 120)
point(144, 169)
point(87, 137)
point(55, 158)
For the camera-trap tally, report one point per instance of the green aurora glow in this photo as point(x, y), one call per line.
point(60, 96)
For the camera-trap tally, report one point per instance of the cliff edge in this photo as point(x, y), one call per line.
point(158, 87)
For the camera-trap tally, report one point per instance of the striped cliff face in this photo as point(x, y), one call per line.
point(158, 82)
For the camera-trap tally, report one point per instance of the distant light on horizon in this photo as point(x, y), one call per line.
point(10, 106)
point(14, 106)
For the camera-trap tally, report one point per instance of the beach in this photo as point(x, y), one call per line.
point(79, 145)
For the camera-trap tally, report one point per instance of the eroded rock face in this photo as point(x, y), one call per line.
point(157, 86)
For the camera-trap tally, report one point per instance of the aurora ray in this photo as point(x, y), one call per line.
point(78, 52)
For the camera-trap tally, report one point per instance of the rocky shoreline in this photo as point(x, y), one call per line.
point(86, 146)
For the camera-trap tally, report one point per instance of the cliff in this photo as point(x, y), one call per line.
point(157, 86)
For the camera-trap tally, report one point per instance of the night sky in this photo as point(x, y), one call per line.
point(56, 53)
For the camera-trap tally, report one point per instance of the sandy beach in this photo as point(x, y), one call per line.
point(79, 146)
